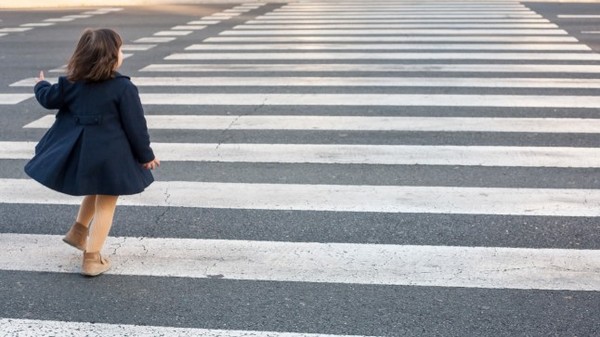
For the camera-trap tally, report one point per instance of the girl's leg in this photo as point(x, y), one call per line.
point(86, 211)
point(77, 235)
point(93, 263)
point(103, 217)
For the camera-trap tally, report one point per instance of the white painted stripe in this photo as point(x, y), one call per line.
point(373, 81)
point(388, 56)
point(204, 22)
point(489, 82)
point(173, 33)
point(403, 8)
point(513, 101)
point(155, 39)
point(218, 17)
point(39, 328)
point(59, 20)
point(399, 31)
point(394, 46)
point(38, 24)
point(453, 4)
point(399, 25)
point(370, 67)
point(225, 15)
point(422, 38)
point(134, 47)
point(335, 198)
point(503, 156)
point(406, 16)
point(349, 263)
point(383, 154)
point(404, 13)
point(78, 16)
point(110, 9)
point(188, 27)
point(590, 32)
point(383, 21)
point(468, 3)
point(578, 16)
point(7, 99)
point(103, 10)
point(15, 29)
point(3, 34)
point(321, 123)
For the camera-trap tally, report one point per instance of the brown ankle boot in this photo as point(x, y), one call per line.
point(94, 264)
point(77, 236)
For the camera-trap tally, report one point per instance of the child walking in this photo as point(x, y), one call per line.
point(98, 146)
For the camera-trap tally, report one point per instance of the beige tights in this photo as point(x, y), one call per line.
point(100, 208)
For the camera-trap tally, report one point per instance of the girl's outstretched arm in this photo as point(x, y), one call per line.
point(48, 95)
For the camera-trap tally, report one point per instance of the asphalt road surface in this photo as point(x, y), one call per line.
point(380, 168)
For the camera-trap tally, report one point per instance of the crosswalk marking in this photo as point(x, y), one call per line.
point(522, 101)
point(389, 46)
point(406, 16)
point(397, 21)
point(375, 264)
point(131, 47)
point(6, 99)
point(374, 31)
point(15, 29)
point(155, 39)
point(362, 123)
point(400, 13)
point(59, 20)
point(37, 328)
point(398, 25)
point(335, 198)
point(565, 83)
point(379, 38)
point(503, 156)
point(38, 24)
point(541, 56)
point(203, 22)
point(188, 27)
point(578, 16)
point(370, 67)
point(173, 33)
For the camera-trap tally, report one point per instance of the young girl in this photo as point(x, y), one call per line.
point(98, 146)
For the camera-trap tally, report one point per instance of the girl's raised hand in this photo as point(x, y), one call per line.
point(151, 165)
point(41, 78)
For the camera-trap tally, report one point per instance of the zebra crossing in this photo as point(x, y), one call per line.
point(328, 71)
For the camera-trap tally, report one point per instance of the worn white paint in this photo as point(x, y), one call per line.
point(336, 198)
point(39, 328)
point(362, 123)
point(373, 67)
point(513, 101)
point(560, 83)
point(391, 46)
point(374, 264)
point(8, 99)
point(505, 156)
point(312, 55)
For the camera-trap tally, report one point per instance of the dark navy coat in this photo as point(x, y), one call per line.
point(98, 142)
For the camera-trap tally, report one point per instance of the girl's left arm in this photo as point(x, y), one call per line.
point(134, 124)
point(48, 95)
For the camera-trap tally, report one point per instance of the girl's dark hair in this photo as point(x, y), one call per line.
point(95, 56)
